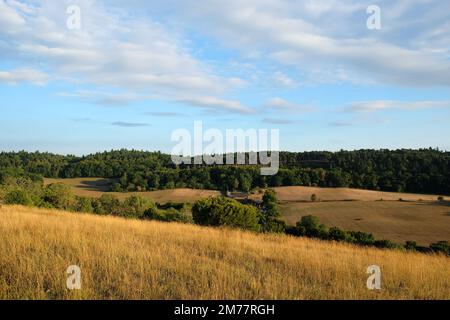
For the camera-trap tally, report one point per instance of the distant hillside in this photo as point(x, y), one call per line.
point(413, 171)
point(129, 259)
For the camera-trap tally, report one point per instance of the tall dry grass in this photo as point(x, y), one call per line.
point(125, 259)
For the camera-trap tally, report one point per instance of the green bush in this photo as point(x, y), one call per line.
point(361, 238)
point(116, 187)
point(107, 204)
point(18, 196)
point(274, 225)
point(269, 197)
point(221, 211)
point(337, 234)
point(441, 246)
point(174, 205)
point(385, 244)
point(411, 245)
point(136, 206)
point(58, 196)
point(83, 204)
point(270, 213)
point(310, 226)
point(169, 215)
point(173, 215)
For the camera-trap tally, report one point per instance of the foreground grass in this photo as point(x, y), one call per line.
point(125, 259)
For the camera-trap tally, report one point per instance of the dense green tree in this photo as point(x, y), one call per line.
point(107, 204)
point(18, 197)
point(441, 247)
point(270, 213)
point(221, 211)
point(310, 226)
point(83, 204)
point(337, 234)
point(58, 195)
point(136, 206)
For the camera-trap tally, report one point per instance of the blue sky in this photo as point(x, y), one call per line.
point(138, 70)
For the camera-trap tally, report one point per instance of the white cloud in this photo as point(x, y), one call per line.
point(210, 102)
point(379, 105)
point(282, 80)
point(280, 104)
point(332, 35)
point(104, 97)
point(10, 19)
point(113, 49)
point(24, 75)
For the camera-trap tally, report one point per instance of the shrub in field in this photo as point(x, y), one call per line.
point(83, 204)
point(58, 196)
point(135, 206)
point(274, 225)
point(170, 204)
point(441, 246)
point(169, 215)
point(310, 226)
point(18, 196)
point(173, 215)
point(337, 234)
point(270, 213)
point(221, 211)
point(411, 245)
point(361, 238)
point(386, 244)
point(116, 187)
point(107, 204)
point(269, 197)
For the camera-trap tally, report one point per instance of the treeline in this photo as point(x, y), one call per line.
point(416, 171)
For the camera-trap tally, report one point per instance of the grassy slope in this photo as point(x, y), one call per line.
point(151, 260)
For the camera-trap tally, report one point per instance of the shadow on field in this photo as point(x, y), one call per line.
point(102, 185)
point(442, 203)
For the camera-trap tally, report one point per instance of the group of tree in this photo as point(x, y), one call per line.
point(222, 211)
point(418, 171)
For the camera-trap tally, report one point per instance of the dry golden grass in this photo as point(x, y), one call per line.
point(125, 259)
point(95, 187)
